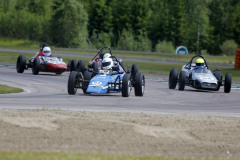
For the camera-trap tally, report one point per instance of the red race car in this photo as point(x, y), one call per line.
point(43, 61)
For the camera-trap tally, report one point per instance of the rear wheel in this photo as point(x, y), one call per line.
point(95, 68)
point(139, 84)
point(126, 85)
point(21, 64)
point(73, 66)
point(134, 71)
point(81, 66)
point(228, 83)
point(182, 81)
point(173, 76)
point(217, 74)
point(69, 65)
point(36, 66)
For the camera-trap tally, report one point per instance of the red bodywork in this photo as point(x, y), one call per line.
point(51, 64)
point(50, 67)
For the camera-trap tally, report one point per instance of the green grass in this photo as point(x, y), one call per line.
point(150, 67)
point(6, 89)
point(31, 45)
point(166, 57)
point(16, 43)
point(73, 156)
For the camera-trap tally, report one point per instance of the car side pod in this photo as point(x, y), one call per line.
point(228, 82)
point(182, 81)
point(173, 78)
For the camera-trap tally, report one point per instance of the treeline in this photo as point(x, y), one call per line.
point(203, 26)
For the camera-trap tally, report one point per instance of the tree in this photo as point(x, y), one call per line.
point(139, 16)
point(121, 10)
point(236, 23)
point(99, 17)
point(221, 19)
point(69, 25)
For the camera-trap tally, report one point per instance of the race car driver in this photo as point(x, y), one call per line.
point(46, 51)
point(107, 63)
point(199, 64)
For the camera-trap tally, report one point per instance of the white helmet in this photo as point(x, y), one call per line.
point(46, 51)
point(106, 55)
point(107, 63)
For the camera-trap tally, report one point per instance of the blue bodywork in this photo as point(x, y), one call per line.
point(106, 83)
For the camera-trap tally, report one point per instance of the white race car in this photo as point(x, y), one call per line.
point(201, 78)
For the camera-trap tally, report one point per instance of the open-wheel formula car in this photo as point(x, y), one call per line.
point(95, 63)
point(43, 61)
point(199, 76)
point(100, 80)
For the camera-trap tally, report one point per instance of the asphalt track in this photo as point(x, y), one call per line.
point(49, 91)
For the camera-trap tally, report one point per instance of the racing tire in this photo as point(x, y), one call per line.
point(36, 66)
point(72, 83)
point(134, 71)
point(126, 85)
point(217, 74)
point(139, 84)
point(21, 64)
point(81, 66)
point(69, 65)
point(182, 81)
point(228, 82)
point(73, 66)
point(87, 77)
point(173, 77)
point(58, 73)
point(95, 68)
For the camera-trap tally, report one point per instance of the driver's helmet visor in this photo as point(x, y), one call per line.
point(46, 52)
point(105, 64)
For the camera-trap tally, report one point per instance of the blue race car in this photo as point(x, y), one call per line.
point(111, 77)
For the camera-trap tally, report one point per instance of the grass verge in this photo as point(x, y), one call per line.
point(73, 156)
point(17, 43)
point(6, 89)
point(31, 45)
point(150, 67)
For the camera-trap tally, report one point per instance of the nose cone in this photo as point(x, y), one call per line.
point(61, 67)
point(98, 85)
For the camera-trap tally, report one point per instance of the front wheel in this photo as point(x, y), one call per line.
point(36, 66)
point(139, 84)
point(87, 77)
point(95, 67)
point(126, 85)
point(182, 81)
point(228, 83)
point(173, 76)
point(74, 81)
point(21, 64)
